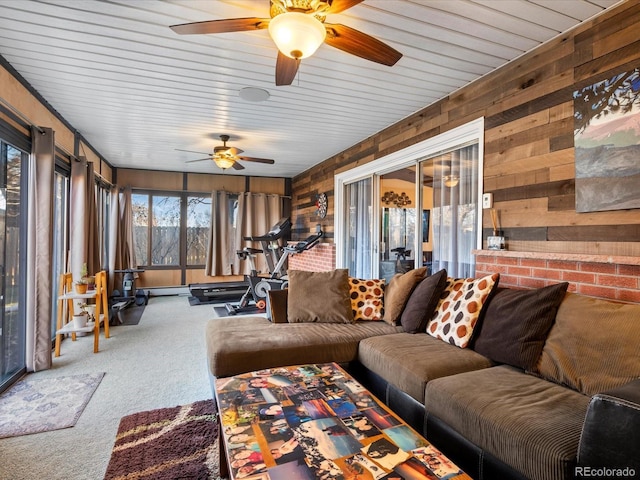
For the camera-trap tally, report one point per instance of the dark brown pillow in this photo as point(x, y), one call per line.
point(423, 302)
point(321, 297)
point(516, 324)
point(398, 291)
point(277, 305)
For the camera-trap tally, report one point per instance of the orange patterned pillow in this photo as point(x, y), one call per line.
point(459, 308)
point(366, 298)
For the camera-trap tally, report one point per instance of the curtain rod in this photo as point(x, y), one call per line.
point(196, 192)
point(20, 115)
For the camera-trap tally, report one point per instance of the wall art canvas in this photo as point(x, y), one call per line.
point(607, 143)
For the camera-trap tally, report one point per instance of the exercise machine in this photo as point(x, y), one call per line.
point(259, 286)
point(129, 295)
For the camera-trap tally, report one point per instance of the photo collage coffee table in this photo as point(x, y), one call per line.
point(315, 421)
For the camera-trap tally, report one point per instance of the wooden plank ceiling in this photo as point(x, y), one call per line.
point(137, 91)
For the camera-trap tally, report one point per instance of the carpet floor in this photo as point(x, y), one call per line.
point(46, 404)
point(167, 444)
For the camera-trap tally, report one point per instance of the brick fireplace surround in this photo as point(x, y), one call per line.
point(604, 276)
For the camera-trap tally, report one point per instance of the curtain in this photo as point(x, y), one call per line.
point(121, 247)
point(220, 252)
point(455, 207)
point(40, 249)
point(78, 217)
point(93, 241)
point(358, 228)
point(257, 213)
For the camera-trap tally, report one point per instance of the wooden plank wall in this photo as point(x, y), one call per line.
point(529, 152)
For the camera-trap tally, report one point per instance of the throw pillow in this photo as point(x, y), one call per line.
point(366, 298)
point(459, 308)
point(398, 292)
point(593, 345)
point(423, 302)
point(277, 305)
point(516, 324)
point(321, 297)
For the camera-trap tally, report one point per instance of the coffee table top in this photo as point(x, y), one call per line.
point(316, 422)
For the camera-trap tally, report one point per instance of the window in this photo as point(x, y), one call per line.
point(198, 223)
point(170, 230)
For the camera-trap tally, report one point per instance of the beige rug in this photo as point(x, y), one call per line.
point(34, 406)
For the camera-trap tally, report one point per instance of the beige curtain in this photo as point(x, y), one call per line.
point(257, 213)
point(78, 217)
point(121, 247)
point(94, 264)
point(220, 251)
point(40, 249)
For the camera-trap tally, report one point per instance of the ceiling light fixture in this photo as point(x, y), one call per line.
point(451, 180)
point(297, 35)
point(223, 161)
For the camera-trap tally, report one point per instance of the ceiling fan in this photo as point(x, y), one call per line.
point(298, 28)
point(226, 157)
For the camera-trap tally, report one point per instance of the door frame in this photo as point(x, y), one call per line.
point(409, 156)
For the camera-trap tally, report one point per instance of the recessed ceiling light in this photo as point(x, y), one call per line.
point(253, 94)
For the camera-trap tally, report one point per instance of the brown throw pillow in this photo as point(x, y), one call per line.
point(277, 305)
point(459, 309)
point(321, 297)
point(398, 292)
point(423, 302)
point(516, 324)
point(593, 345)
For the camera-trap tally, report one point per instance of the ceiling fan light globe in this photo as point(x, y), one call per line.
point(224, 162)
point(297, 35)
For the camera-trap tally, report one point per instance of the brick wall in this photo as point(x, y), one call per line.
point(321, 258)
point(614, 278)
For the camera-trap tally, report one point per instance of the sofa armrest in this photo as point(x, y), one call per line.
point(611, 432)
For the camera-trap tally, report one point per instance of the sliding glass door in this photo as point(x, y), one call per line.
point(425, 209)
point(12, 324)
point(357, 248)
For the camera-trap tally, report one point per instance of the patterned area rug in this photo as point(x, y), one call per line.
point(167, 444)
point(41, 405)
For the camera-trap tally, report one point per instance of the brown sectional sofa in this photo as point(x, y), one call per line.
point(551, 419)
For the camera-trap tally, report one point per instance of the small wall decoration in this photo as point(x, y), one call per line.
point(607, 144)
point(321, 205)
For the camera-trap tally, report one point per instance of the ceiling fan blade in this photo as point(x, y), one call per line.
point(338, 6)
point(233, 151)
point(237, 166)
point(198, 160)
point(257, 160)
point(360, 44)
point(286, 69)
point(221, 26)
point(190, 151)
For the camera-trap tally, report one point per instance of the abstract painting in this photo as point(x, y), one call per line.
point(607, 143)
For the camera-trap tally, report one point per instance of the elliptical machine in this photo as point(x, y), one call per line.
point(259, 287)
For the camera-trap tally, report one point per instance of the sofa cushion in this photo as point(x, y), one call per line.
point(516, 324)
point(529, 423)
point(319, 297)
point(244, 344)
point(409, 361)
point(398, 292)
point(459, 308)
point(593, 345)
point(422, 302)
point(366, 298)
